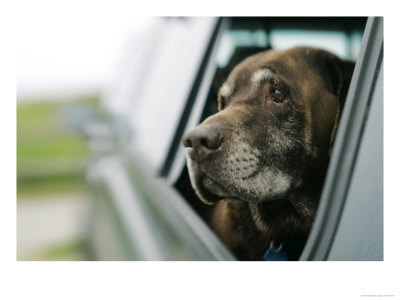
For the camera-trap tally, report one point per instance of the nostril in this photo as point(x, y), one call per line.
point(187, 142)
point(211, 142)
point(204, 142)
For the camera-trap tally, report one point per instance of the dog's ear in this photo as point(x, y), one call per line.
point(341, 72)
point(337, 75)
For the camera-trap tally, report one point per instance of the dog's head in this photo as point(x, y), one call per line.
point(278, 113)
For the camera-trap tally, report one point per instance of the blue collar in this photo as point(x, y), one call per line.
point(275, 253)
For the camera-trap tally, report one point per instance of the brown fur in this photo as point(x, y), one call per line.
point(262, 160)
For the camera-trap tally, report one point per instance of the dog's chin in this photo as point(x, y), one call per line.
point(217, 189)
point(207, 189)
point(210, 191)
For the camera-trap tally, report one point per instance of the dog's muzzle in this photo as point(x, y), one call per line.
point(203, 145)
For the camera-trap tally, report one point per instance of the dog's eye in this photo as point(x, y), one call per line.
point(278, 96)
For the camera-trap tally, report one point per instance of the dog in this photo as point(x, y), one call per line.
point(262, 159)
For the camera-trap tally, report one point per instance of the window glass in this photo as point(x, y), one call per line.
point(238, 38)
point(355, 40)
point(160, 74)
point(334, 41)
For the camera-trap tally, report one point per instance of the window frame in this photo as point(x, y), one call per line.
point(349, 135)
point(174, 159)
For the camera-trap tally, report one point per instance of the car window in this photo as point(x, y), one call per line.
point(242, 37)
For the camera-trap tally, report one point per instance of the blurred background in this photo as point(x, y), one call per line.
point(101, 110)
point(62, 70)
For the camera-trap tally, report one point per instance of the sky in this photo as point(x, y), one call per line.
point(68, 52)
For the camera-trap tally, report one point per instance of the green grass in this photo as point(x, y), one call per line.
point(59, 145)
point(68, 251)
point(51, 154)
point(52, 185)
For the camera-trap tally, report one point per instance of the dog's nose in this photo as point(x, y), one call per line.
point(203, 140)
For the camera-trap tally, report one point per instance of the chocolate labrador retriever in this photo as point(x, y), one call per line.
point(262, 158)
